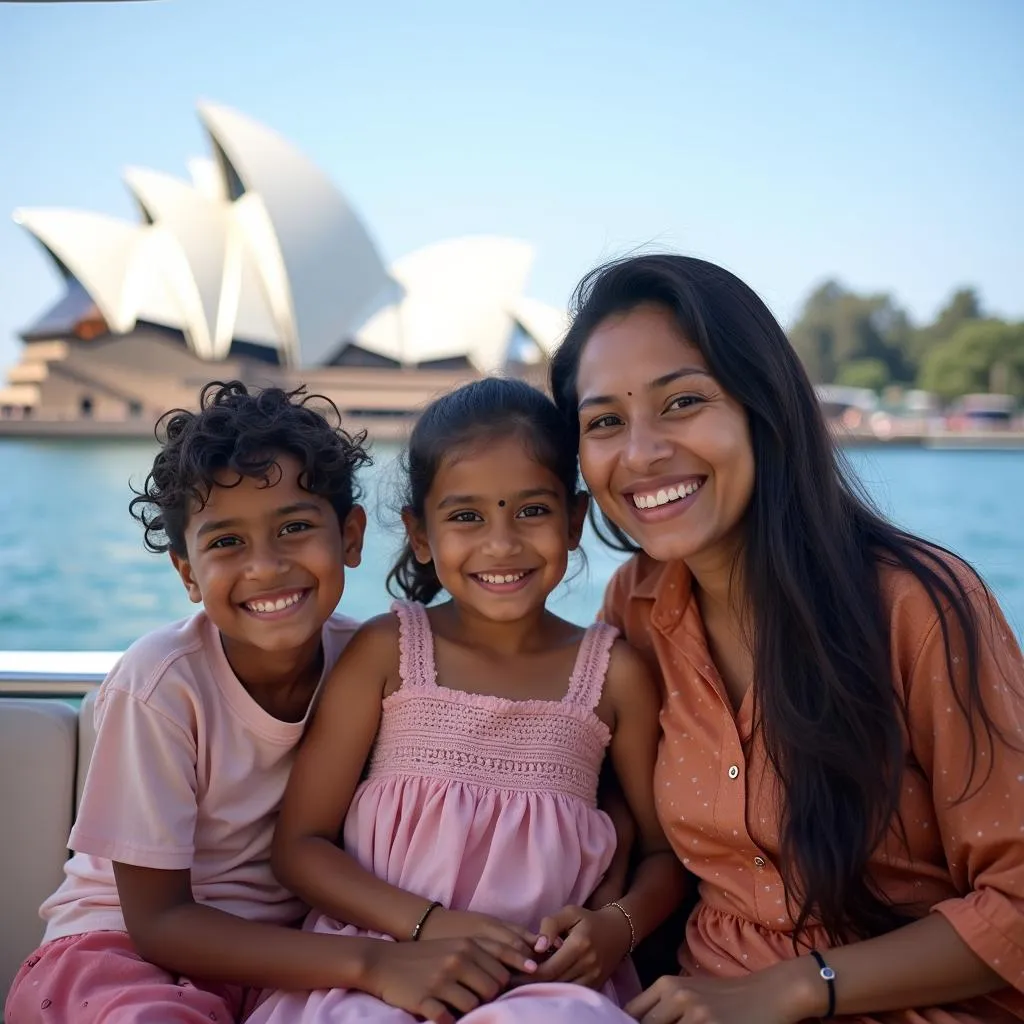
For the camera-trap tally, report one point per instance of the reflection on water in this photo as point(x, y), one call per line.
point(74, 574)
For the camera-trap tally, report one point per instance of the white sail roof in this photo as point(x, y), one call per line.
point(258, 245)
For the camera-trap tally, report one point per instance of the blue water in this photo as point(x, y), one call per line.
point(75, 576)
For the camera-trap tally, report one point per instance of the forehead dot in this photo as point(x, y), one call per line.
point(501, 503)
point(629, 393)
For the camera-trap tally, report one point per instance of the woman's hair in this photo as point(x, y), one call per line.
point(464, 421)
point(831, 719)
point(244, 432)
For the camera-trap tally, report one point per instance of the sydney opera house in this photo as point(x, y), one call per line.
point(258, 268)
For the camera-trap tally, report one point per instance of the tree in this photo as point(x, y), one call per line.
point(981, 355)
point(838, 327)
point(864, 373)
point(963, 307)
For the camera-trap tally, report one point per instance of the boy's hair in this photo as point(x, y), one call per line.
point(244, 431)
point(467, 419)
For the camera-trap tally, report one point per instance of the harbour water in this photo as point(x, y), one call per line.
point(75, 576)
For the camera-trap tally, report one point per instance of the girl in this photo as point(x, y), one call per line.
point(170, 909)
point(485, 720)
point(843, 751)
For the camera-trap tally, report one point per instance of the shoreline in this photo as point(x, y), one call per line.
point(396, 429)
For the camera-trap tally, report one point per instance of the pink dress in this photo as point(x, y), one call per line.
point(485, 804)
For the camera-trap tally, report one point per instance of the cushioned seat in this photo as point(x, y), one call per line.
point(38, 770)
point(86, 740)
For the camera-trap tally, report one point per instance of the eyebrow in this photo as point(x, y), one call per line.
point(658, 382)
point(477, 499)
point(286, 510)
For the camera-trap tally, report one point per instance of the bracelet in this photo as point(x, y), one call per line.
point(629, 920)
point(434, 904)
point(829, 977)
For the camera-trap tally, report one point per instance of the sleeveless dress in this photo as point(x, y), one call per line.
point(485, 804)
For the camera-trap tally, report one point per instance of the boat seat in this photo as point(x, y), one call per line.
point(86, 740)
point(39, 745)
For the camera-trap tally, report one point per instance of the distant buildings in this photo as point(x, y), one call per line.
point(258, 268)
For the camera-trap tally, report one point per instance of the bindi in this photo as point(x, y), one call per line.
point(629, 394)
point(501, 503)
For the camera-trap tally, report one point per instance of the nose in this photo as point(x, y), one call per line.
point(502, 539)
point(645, 447)
point(266, 561)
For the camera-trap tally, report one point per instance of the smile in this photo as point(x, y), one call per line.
point(502, 580)
point(666, 495)
point(264, 606)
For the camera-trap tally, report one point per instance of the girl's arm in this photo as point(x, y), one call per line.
point(327, 770)
point(599, 940)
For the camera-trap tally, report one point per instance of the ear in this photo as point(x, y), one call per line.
point(417, 534)
point(184, 569)
point(577, 518)
point(352, 533)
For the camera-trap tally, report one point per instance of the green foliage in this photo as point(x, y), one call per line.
point(864, 373)
point(838, 327)
point(985, 355)
point(869, 341)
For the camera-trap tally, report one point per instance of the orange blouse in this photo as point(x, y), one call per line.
point(716, 790)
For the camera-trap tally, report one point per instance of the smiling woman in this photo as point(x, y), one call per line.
point(842, 701)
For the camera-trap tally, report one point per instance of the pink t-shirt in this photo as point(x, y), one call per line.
point(188, 772)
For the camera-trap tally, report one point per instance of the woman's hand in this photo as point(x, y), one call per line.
point(432, 978)
point(762, 997)
point(593, 944)
point(464, 924)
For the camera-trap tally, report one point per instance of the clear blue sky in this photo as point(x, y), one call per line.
point(879, 142)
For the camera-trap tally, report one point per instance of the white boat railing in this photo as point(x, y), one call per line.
point(53, 673)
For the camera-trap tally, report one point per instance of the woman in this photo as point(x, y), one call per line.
point(842, 763)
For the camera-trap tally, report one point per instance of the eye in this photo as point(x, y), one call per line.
point(532, 511)
point(223, 542)
point(297, 527)
point(681, 402)
point(604, 421)
point(466, 516)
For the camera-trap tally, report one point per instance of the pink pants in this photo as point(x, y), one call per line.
point(98, 978)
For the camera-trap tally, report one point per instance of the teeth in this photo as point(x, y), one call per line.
point(273, 606)
point(664, 496)
point(488, 577)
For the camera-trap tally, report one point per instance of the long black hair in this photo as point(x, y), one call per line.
point(832, 722)
point(485, 410)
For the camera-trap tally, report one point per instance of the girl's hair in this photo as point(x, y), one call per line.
point(466, 420)
point(244, 432)
point(831, 719)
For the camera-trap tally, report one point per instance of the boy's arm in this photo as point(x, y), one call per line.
point(170, 929)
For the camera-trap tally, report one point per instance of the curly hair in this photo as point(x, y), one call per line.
point(244, 431)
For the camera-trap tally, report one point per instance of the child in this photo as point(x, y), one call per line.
point(169, 908)
point(485, 720)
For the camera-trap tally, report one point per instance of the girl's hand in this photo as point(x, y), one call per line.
point(430, 979)
point(464, 924)
point(593, 944)
point(753, 997)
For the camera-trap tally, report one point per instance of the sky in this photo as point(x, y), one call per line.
point(875, 143)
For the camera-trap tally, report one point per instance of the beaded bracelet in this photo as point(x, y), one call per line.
point(629, 920)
